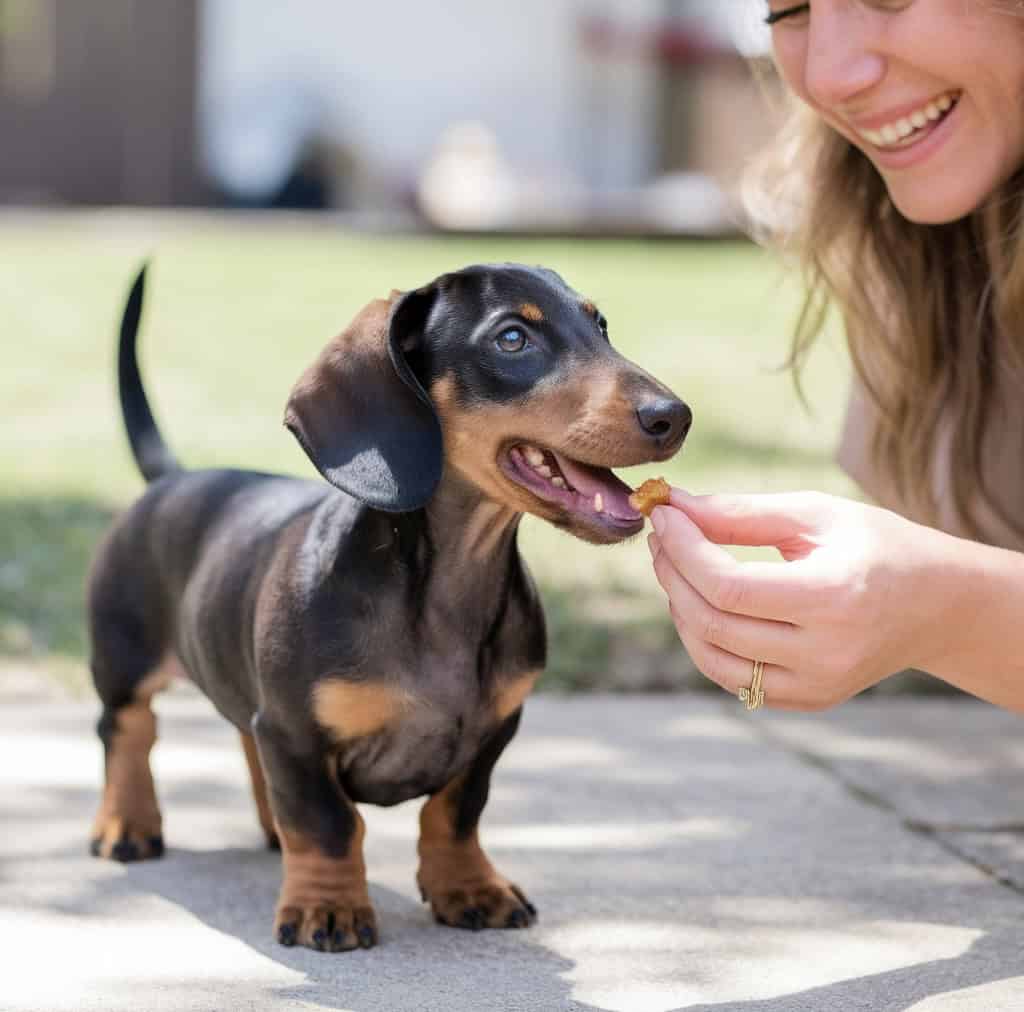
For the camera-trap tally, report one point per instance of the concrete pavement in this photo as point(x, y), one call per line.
point(683, 855)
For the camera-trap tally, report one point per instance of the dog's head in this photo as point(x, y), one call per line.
point(496, 375)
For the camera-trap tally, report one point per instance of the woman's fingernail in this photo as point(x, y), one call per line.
point(658, 519)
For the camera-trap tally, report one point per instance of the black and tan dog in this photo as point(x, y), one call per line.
point(372, 639)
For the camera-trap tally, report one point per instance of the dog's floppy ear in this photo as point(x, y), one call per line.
point(362, 416)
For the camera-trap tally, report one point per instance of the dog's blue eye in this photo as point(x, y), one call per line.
point(512, 339)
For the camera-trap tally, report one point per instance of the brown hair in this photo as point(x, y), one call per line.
point(931, 312)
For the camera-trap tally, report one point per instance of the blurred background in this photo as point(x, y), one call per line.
point(546, 115)
point(283, 164)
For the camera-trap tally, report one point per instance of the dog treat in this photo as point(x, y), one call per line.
point(653, 492)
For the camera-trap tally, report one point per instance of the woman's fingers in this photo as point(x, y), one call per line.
point(780, 520)
point(770, 590)
point(781, 689)
point(765, 639)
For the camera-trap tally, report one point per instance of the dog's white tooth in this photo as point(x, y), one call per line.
point(544, 470)
point(558, 482)
point(598, 503)
point(534, 456)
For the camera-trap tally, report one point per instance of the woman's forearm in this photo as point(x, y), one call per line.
point(978, 602)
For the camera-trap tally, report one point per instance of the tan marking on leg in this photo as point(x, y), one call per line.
point(462, 886)
point(509, 695)
point(128, 826)
point(530, 311)
point(589, 308)
point(259, 789)
point(354, 709)
point(324, 901)
point(159, 678)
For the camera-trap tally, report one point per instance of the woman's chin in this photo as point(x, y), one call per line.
point(930, 205)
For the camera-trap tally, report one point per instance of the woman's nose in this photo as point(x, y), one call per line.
point(843, 58)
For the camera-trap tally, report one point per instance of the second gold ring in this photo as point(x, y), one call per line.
point(753, 695)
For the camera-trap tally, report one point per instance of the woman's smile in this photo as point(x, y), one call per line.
point(916, 148)
point(900, 130)
point(923, 87)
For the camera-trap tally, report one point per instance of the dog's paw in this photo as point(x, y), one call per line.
point(119, 839)
point(475, 904)
point(327, 927)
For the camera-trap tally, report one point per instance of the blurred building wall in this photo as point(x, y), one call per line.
point(97, 101)
point(386, 79)
point(731, 119)
point(187, 101)
point(714, 113)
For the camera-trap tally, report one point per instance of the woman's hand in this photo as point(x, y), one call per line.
point(862, 593)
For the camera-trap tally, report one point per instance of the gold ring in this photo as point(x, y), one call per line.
point(753, 695)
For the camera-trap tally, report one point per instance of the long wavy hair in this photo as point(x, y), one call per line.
point(933, 314)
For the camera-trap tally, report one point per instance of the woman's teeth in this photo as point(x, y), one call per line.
point(899, 133)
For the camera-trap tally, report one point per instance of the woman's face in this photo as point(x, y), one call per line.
point(932, 91)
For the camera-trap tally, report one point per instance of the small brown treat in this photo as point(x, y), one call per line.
point(653, 492)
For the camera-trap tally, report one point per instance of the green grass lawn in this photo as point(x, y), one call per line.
point(236, 308)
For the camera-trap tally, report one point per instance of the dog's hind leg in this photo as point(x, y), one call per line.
point(128, 826)
point(259, 791)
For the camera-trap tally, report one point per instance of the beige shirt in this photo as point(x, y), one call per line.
point(1002, 464)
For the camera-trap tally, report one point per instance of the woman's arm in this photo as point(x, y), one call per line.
point(862, 593)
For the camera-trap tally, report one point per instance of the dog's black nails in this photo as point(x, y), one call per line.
point(125, 850)
point(530, 908)
point(338, 939)
point(156, 846)
point(367, 936)
point(320, 939)
point(472, 919)
point(518, 919)
point(94, 847)
point(287, 933)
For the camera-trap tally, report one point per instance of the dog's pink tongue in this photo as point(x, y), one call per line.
point(590, 481)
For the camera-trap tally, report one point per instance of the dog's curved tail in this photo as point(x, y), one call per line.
point(148, 447)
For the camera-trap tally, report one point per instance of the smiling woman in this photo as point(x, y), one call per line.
point(903, 118)
point(897, 186)
point(887, 75)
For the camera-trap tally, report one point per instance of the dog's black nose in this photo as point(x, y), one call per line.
point(666, 419)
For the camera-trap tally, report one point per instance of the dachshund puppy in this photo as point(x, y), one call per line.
point(372, 637)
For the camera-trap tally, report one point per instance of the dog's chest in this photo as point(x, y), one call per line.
point(411, 733)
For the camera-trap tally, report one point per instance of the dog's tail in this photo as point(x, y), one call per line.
point(150, 451)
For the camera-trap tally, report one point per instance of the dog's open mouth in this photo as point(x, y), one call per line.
point(593, 494)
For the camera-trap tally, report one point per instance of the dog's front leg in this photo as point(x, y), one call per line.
point(455, 875)
point(324, 902)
